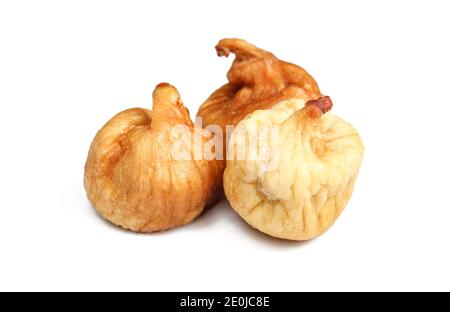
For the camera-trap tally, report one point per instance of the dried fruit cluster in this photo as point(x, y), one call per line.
point(296, 190)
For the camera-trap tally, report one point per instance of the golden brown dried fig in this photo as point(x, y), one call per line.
point(257, 80)
point(294, 183)
point(132, 175)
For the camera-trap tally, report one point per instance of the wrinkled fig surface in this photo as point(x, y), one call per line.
point(304, 190)
point(256, 80)
point(131, 177)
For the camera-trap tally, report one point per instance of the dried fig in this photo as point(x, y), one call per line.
point(131, 176)
point(301, 181)
point(257, 80)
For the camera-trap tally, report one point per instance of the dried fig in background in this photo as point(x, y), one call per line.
point(257, 80)
point(131, 177)
point(301, 184)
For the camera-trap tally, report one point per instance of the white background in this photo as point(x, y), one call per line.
point(66, 67)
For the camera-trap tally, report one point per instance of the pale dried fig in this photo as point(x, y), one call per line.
point(299, 186)
point(131, 176)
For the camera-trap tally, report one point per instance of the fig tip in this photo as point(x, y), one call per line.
point(221, 51)
point(324, 103)
point(162, 84)
point(317, 108)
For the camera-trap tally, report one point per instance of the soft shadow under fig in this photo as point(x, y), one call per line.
point(110, 225)
point(222, 212)
point(257, 235)
point(207, 217)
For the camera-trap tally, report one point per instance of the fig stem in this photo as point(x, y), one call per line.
point(168, 109)
point(315, 108)
point(241, 48)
